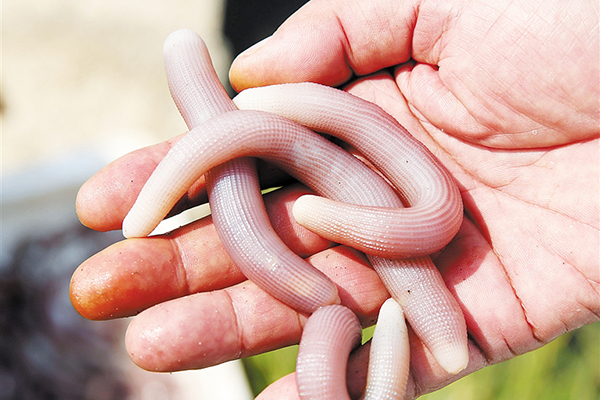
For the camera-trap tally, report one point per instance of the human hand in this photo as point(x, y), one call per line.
point(506, 94)
point(524, 265)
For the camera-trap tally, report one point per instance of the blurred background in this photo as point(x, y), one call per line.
point(83, 83)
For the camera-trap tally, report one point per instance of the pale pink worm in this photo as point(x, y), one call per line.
point(435, 211)
point(234, 192)
point(389, 356)
point(327, 340)
point(434, 200)
point(330, 334)
point(224, 131)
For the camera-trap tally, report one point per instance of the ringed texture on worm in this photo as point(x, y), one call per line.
point(435, 206)
point(236, 203)
point(219, 132)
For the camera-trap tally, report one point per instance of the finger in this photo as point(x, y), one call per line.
point(249, 321)
point(105, 199)
point(209, 328)
point(426, 89)
point(327, 42)
point(282, 389)
point(135, 274)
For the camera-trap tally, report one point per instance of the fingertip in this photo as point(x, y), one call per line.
point(307, 47)
point(240, 73)
point(81, 206)
point(91, 208)
point(78, 296)
point(254, 48)
point(283, 388)
point(88, 294)
point(105, 198)
point(139, 339)
point(125, 278)
point(327, 42)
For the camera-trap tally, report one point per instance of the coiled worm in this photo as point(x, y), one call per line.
point(235, 198)
point(435, 206)
point(223, 133)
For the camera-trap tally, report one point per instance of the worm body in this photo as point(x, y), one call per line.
point(415, 283)
point(236, 202)
point(328, 338)
point(379, 225)
point(220, 139)
point(435, 206)
point(330, 334)
point(389, 357)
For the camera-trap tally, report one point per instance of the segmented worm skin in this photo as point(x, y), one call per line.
point(435, 211)
point(227, 133)
point(323, 353)
point(327, 340)
point(389, 355)
point(434, 200)
point(234, 192)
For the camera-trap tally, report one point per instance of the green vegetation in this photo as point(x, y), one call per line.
point(266, 368)
point(566, 369)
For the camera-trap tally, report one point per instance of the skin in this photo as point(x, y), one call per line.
point(513, 115)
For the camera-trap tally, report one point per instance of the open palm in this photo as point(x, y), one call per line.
point(504, 94)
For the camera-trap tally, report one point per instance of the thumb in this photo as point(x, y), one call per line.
point(327, 41)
